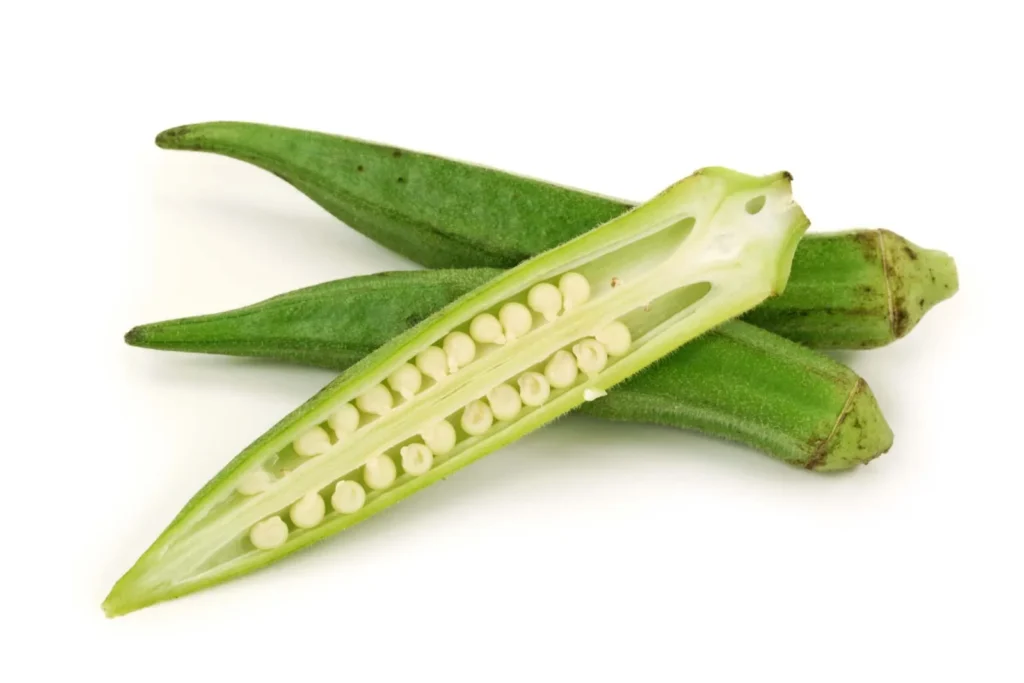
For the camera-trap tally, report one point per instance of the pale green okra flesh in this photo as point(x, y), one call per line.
point(601, 307)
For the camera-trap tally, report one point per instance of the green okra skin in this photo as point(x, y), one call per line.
point(529, 345)
point(857, 289)
point(736, 382)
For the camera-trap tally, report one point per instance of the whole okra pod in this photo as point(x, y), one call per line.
point(736, 382)
point(508, 357)
point(851, 290)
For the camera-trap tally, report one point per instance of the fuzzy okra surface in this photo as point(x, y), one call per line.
point(736, 382)
point(498, 362)
point(852, 290)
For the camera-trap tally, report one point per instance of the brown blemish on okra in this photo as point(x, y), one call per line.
point(913, 279)
point(858, 436)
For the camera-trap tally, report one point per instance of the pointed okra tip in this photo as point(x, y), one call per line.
point(918, 280)
point(175, 138)
point(136, 336)
point(200, 136)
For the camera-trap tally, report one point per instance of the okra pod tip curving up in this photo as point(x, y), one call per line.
point(556, 331)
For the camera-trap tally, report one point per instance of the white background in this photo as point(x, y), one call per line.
point(586, 551)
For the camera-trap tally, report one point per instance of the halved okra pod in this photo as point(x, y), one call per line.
point(851, 290)
point(700, 253)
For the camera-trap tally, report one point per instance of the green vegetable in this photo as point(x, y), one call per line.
point(497, 363)
point(736, 382)
point(853, 290)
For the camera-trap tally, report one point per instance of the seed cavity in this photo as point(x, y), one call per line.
point(459, 349)
point(379, 472)
point(505, 402)
point(254, 482)
point(377, 400)
point(486, 329)
point(344, 420)
point(406, 380)
point(755, 205)
point(433, 363)
point(591, 356)
point(313, 442)
point(308, 511)
point(534, 389)
point(477, 418)
point(561, 370)
point(515, 319)
point(439, 438)
point(546, 300)
point(416, 459)
point(348, 497)
point(268, 533)
point(575, 290)
point(615, 338)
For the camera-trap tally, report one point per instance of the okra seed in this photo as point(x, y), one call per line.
point(308, 511)
point(379, 472)
point(269, 533)
point(416, 458)
point(348, 497)
point(406, 380)
point(546, 300)
point(440, 438)
point(432, 362)
point(505, 402)
point(477, 418)
point(254, 482)
point(459, 350)
point(486, 329)
point(615, 338)
point(575, 289)
point(561, 370)
point(313, 442)
point(591, 356)
point(534, 388)
point(516, 320)
point(344, 420)
point(590, 394)
point(377, 400)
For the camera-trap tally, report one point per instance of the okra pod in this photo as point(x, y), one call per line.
point(854, 290)
point(581, 318)
point(736, 382)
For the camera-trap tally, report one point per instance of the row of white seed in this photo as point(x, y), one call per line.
point(456, 351)
point(502, 403)
point(349, 496)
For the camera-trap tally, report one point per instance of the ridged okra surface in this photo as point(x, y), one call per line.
point(857, 289)
point(506, 358)
point(736, 382)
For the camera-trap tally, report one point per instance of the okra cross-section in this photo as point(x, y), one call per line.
point(506, 358)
